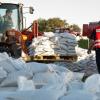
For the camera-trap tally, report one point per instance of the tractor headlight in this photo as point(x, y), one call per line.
point(24, 37)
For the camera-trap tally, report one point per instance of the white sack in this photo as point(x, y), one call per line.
point(36, 95)
point(24, 84)
point(75, 85)
point(65, 74)
point(18, 63)
point(48, 34)
point(7, 66)
point(12, 78)
point(78, 76)
point(92, 83)
point(3, 74)
point(36, 67)
point(79, 95)
point(4, 56)
point(46, 78)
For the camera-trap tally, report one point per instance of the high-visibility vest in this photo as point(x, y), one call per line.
point(97, 38)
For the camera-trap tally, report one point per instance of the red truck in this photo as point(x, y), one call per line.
point(88, 28)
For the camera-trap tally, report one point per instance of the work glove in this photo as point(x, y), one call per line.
point(89, 51)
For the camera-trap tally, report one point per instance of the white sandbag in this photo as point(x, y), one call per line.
point(24, 84)
point(46, 78)
point(9, 89)
point(7, 66)
point(75, 85)
point(58, 68)
point(4, 95)
point(63, 46)
point(59, 88)
point(12, 78)
point(78, 76)
point(3, 74)
point(66, 74)
point(48, 34)
point(68, 36)
point(92, 83)
point(79, 95)
point(67, 77)
point(36, 95)
point(18, 63)
point(36, 67)
point(4, 56)
point(47, 45)
point(98, 95)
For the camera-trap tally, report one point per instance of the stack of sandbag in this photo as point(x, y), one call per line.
point(54, 43)
point(44, 82)
point(85, 63)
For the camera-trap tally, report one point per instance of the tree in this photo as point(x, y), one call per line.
point(50, 24)
point(75, 28)
point(42, 24)
point(56, 22)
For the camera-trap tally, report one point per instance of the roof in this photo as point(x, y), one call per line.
point(11, 1)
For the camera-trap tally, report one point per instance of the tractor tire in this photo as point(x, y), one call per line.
point(11, 49)
point(5, 48)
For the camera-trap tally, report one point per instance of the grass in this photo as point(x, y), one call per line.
point(83, 43)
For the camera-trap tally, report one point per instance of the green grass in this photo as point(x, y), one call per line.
point(83, 43)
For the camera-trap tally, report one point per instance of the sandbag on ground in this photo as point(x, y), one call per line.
point(79, 95)
point(12, 78)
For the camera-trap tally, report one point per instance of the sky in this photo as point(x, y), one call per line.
point(74, 11)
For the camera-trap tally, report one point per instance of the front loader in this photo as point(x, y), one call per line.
point(22, 37)
point(15, 39)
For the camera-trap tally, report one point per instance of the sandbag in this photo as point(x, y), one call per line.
point(92, 83)
point(7, 66)
point(36, 67)
point(45, 78)
point(3, 56)
point(3, 74)
point(36, 95)
point(18, 63)
point(12, 78)
point(24, 84)
point(79, 95)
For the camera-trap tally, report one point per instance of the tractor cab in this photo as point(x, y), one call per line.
point(10, 12)
point(11, 28)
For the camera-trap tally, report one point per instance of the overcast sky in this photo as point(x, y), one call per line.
point(74, 11)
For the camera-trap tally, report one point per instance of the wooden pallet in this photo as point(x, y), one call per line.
point(51, 58)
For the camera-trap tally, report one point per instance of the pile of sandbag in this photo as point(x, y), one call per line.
point(54, 43)
point(25, 81)
point(85, 63)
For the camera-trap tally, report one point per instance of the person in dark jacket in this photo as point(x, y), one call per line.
point(7, 20)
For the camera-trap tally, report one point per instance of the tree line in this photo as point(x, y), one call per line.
point(52, 23)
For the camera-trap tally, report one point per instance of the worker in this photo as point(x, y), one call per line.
point(67, 30)
point(8, 23)
point(15, 46)
point(95, 44)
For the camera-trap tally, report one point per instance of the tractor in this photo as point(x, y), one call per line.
point(15, 40)
point(21, 37)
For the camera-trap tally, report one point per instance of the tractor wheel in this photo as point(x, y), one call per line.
point(11, 49)
point(5, 48)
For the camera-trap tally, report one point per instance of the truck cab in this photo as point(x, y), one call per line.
point(88, 28)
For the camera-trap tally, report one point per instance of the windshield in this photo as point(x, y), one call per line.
point(8, 17)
